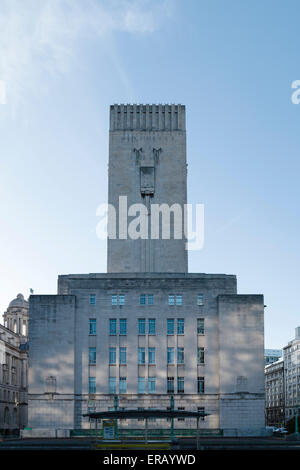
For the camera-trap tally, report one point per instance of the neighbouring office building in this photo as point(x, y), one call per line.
point(147, 328)
point(272, 355)
point(275, 394)
point(291, 357)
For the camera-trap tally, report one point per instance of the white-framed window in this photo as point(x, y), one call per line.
point(171, 300)
point(92, 326)
point(200, 299)
point(92, 355)
point(118, 299)
point(170, 355)
point(123, 355)
point(151, 384)
point(151, 355)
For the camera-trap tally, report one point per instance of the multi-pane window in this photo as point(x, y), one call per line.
point(180, 384)
point(123, 326)
point(121, 299)
point(114, 299)
point(170, 356)
point(180, 326)
point(123, 358)
point(141, 356)
point(181, 408)
point(201, 410)
point(200, 326)
point(92, 299)
point(112, 355)
point(146, 299)
point(112, 385)
point(118, 299)
point(112, 326)
point(92, 384)
point(123, 384)
point(151, 326)
point(180, 356)
point(92, 326)
point(200, 355)
point(200, 299)
point(170, 385)
point(142, 326)
point(151, 384)
point(151, 355)
point(141, 385)
point(200, 384)
point(92, 355)
point(175, 299)
point(170, 326)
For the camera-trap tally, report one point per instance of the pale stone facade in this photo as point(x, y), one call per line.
point(13, 367)
point(275, 394)
point(147, 329)
point(291, 357)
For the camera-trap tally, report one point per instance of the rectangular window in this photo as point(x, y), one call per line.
point(171, 299)
point(142, 299)
point(170, 356)
point(112, 385)
point(142, 326)
point(141, 356)
point(123, 354)
point(123, 326)
point(141, 385)
point(200, 326)
point(200, 299)
point(112, 355)
point(151, 326)
point(180, 356)
point(180, 326)
point(150, 299)
point(151, 355)
point(151, 384)
point(121, 299)
point(92, 385)
point(170, 326)
point(181, 408)
point(114, 299)
point(112, 326)
point(200, 384)
point(201, 410)
point(92, 355)
point(170, 385)
point(200, 355)
point(178, 299)
point(123, 384)
point(92, 324)
point(180, 384)
point(92, 299)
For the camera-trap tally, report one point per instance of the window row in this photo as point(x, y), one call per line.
point(147, 299)
point(146, 326)
point(142, 355)
point(151, 385)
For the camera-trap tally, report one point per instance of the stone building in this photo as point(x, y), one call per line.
point(272, 355)
point(13, 367)
point(291, 357)
point(148, 328)
point(275, 394)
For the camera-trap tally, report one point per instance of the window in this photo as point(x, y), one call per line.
point(170, 326)
point(118, 299)
point(180, 384)
point(112, 385)
point(200, 326)
point(92, 323)
point(92, 299)
point(170, 385)
point(142, 326)
point(112, 326)
point(151, 326)
point(180, 356)
point(181, 408)
point(112, 355)
point(178, 299)
point(171, 299)
point(141, 356)
point(200, 384)
point(151, 355)
point(200, 299)
point(121, 299)
point(92, 355)
point(180, 326)
point(123, 384)
point(114, 300)
point(175, 299)
point(200, 355)
point(141, 385)
point(123, 356)
point(201, 410)
point(170, 356)
point(92, 384)
point(151, 384)
point(123, 326)
point(146, 299)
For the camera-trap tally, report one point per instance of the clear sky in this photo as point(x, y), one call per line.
point(232, 63)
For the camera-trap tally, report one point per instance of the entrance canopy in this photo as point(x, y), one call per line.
point(140, 414)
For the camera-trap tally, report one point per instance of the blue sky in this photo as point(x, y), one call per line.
point(231, 63)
